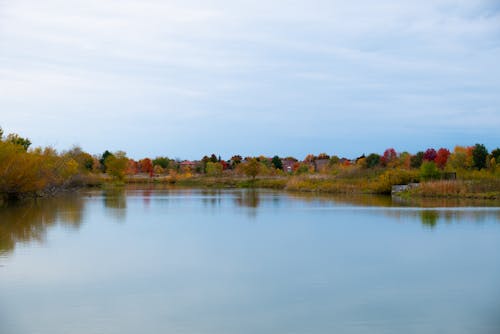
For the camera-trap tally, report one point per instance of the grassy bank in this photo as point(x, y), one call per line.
point(376, 183)
point(478, 189)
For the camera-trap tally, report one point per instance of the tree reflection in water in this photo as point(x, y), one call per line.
point(28, 221)
point(115, 201)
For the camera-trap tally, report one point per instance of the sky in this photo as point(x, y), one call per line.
point(189, 78)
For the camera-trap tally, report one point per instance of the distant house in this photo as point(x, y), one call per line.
point(288, 164)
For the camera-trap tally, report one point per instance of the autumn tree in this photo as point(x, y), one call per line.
point(251, 168)
point(116, 164)
point(158, 169)
point(214, 168)
point(310, 158)
point(479, 155)
point(322, 156)
point(235, 160)
point(461, 158)
point(389, 157)
point(146, 166)
point(442, 156)
point(85, 160)
point(430, 154)
point(405, 160)
point(132, 167)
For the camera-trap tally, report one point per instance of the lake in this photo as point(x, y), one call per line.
point(159, 260)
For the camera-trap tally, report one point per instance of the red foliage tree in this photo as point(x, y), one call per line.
point(146, 166)
point(430, 154)
point(131, 167)
point(442, 156)
point(390, 155)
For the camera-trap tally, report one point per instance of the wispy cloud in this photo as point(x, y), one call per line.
point(301, 74)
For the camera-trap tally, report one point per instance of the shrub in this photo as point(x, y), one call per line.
point(429, 171)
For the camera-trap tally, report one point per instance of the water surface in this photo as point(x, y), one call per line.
point(243, 261)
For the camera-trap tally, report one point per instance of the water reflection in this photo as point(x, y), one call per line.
point(115, 201)
point(29, 221)
point(431, 218)
point(25, 222)
point(430, 211)
point(248, 198)
point(211, 197)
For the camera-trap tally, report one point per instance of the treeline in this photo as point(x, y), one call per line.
point(27, 171)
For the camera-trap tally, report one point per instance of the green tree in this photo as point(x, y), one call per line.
point(276, 161)
point(429, 171)
point(372, 160)
point(17, 140)
point(479, 155)
point(417, 159)
point(163, 162)
point(116, 164)
point(495, 153)
point(103, 158)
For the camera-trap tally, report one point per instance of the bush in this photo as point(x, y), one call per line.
point(429, 171)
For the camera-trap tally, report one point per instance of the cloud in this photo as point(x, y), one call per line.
point(226, 69)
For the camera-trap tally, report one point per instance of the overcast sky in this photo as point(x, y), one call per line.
point(189, 78)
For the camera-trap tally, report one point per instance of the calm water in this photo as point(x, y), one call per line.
point(188, 261)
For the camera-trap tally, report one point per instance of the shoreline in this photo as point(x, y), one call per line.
point(311, 184)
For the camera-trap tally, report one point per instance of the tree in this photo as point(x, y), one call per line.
point(132, 167)
point(85, 160)
point(309, 158)
point(416, 160)
point(146, 166)
point(214, 168)
point(461, 158)
point(158, 169)
point(251, 168)
point(429, 171)
point(479, 155)
point(405, 160)
point(442, 156)
point(323, 156)
point(235, 160)
point(430, 154)
point(495, 153)
point(213, 158)
point(1, 133)
point(372, 160)
point(333, 160)
point(17, 140)
point(276, 161)
point(389, 157)
point(116, 164)
point(163, 162)
point(103, 158)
